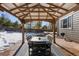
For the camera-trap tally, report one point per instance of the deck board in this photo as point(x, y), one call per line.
point(56, 51)
point(24, 50)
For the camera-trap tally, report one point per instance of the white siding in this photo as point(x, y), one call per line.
point(72, 34)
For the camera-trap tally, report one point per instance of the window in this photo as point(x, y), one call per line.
point(67, 22)
point(61, 23)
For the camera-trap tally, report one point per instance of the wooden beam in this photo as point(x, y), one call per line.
point(29, 15)
point(54, 29)
point(58, 6)
point(35, 11)
point(23, 40)
point(20, 6)
point(48, 12)
point(37, 7)
point(19, 10)
point(76, 8)
point(37, 16)
point(53, 10)
point(29, 12)
point(47, 17)
point(17, 7)
point(49, 20)
point(2, 8)
point(38, 13)
point(26, 9)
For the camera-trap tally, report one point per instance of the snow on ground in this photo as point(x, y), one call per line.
point(7, 38)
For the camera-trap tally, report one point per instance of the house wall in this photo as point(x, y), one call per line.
point(71, 34)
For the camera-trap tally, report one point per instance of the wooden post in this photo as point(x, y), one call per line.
point(54, 31)
point(22, 33)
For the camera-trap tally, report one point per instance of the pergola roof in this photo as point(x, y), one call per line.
point(38, 11)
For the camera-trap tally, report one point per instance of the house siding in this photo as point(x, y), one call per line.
point(73, 33)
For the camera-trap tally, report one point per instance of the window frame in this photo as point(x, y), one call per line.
point(70, 25)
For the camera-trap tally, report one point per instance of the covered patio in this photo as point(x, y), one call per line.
point(50, 12)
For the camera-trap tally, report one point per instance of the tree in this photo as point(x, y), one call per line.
point(5, 22)
point(15, 25)
point(38, 25)
point(44, 27)
point(1, 20)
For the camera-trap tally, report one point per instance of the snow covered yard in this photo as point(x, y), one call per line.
point(9, 41)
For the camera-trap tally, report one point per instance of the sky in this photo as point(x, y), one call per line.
point(45, 23)
point(10, 17)
point(14, 19)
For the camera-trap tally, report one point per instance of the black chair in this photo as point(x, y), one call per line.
point(62, 34)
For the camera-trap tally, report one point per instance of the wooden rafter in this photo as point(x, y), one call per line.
point(53, 10)
point(35, 11)
point(41, 11)
point(37, 16)
point(26, 9)
point(23, 16)
point(49, 20)
point(58, 6)
point(38, 13)
point(46, 16)
point(4, 9)
point(29, 12)
point(52, 16)
point(36, 7)
point(48, 12)
point(76, 8)
point(19, 7)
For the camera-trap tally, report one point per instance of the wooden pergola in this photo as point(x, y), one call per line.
point(27, 12)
